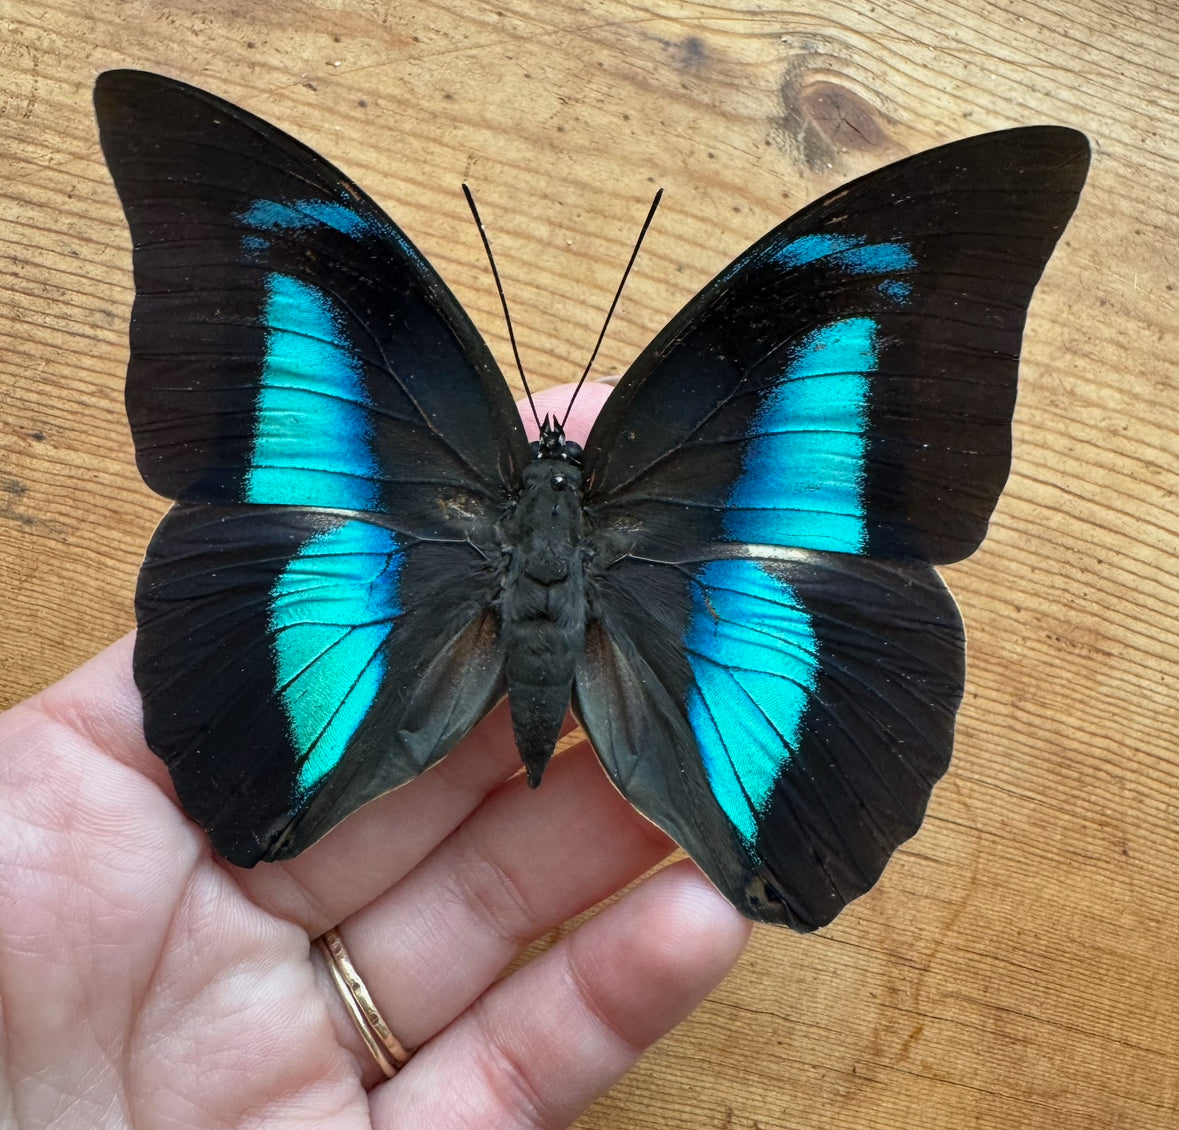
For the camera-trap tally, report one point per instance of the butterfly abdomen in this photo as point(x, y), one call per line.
point(542, 606)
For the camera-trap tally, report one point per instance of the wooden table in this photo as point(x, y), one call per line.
point(1019, 964)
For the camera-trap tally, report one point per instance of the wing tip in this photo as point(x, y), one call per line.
point(119, 83)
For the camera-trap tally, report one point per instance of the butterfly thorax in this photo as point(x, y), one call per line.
point(542, 603)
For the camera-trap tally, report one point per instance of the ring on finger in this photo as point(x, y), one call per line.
point(386, 1049)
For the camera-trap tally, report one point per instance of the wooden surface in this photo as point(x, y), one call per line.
point(1018, 966)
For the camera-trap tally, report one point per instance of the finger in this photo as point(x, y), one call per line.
point(528, 860)
point(555, 402)
point(89, 725)
point(100, 703)
point(383, 841)
point(541, 1045)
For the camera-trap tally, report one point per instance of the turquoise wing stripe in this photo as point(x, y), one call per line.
point(802, 480)
point(803, 475)
point(274, 215)
point(312, 439)
point(754, 658)
point(331, 611)
point(853, 254)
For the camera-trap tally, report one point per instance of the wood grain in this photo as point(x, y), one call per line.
point(1019, 963)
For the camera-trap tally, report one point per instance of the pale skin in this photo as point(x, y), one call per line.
point(145, 982)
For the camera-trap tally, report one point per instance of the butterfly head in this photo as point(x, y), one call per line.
point(553, 444)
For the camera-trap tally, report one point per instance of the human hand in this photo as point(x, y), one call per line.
point(144, 981)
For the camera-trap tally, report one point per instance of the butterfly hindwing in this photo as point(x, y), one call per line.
point(295, 663)
point(314, 613)
point(784, 718)
point(782, 465)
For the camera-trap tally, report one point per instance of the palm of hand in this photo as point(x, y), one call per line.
point(145, 982)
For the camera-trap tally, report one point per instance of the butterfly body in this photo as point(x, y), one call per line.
point(543, 605)
point(732, 583)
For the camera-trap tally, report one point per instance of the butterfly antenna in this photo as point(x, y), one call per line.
point(617, 295)
point(502, 301)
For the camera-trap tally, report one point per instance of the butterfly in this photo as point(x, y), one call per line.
point(732, 583)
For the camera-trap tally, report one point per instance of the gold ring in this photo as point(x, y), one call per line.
point(386, 1048)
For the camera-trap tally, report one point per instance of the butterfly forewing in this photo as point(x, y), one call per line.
point(847, 384)
point(289, 345)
